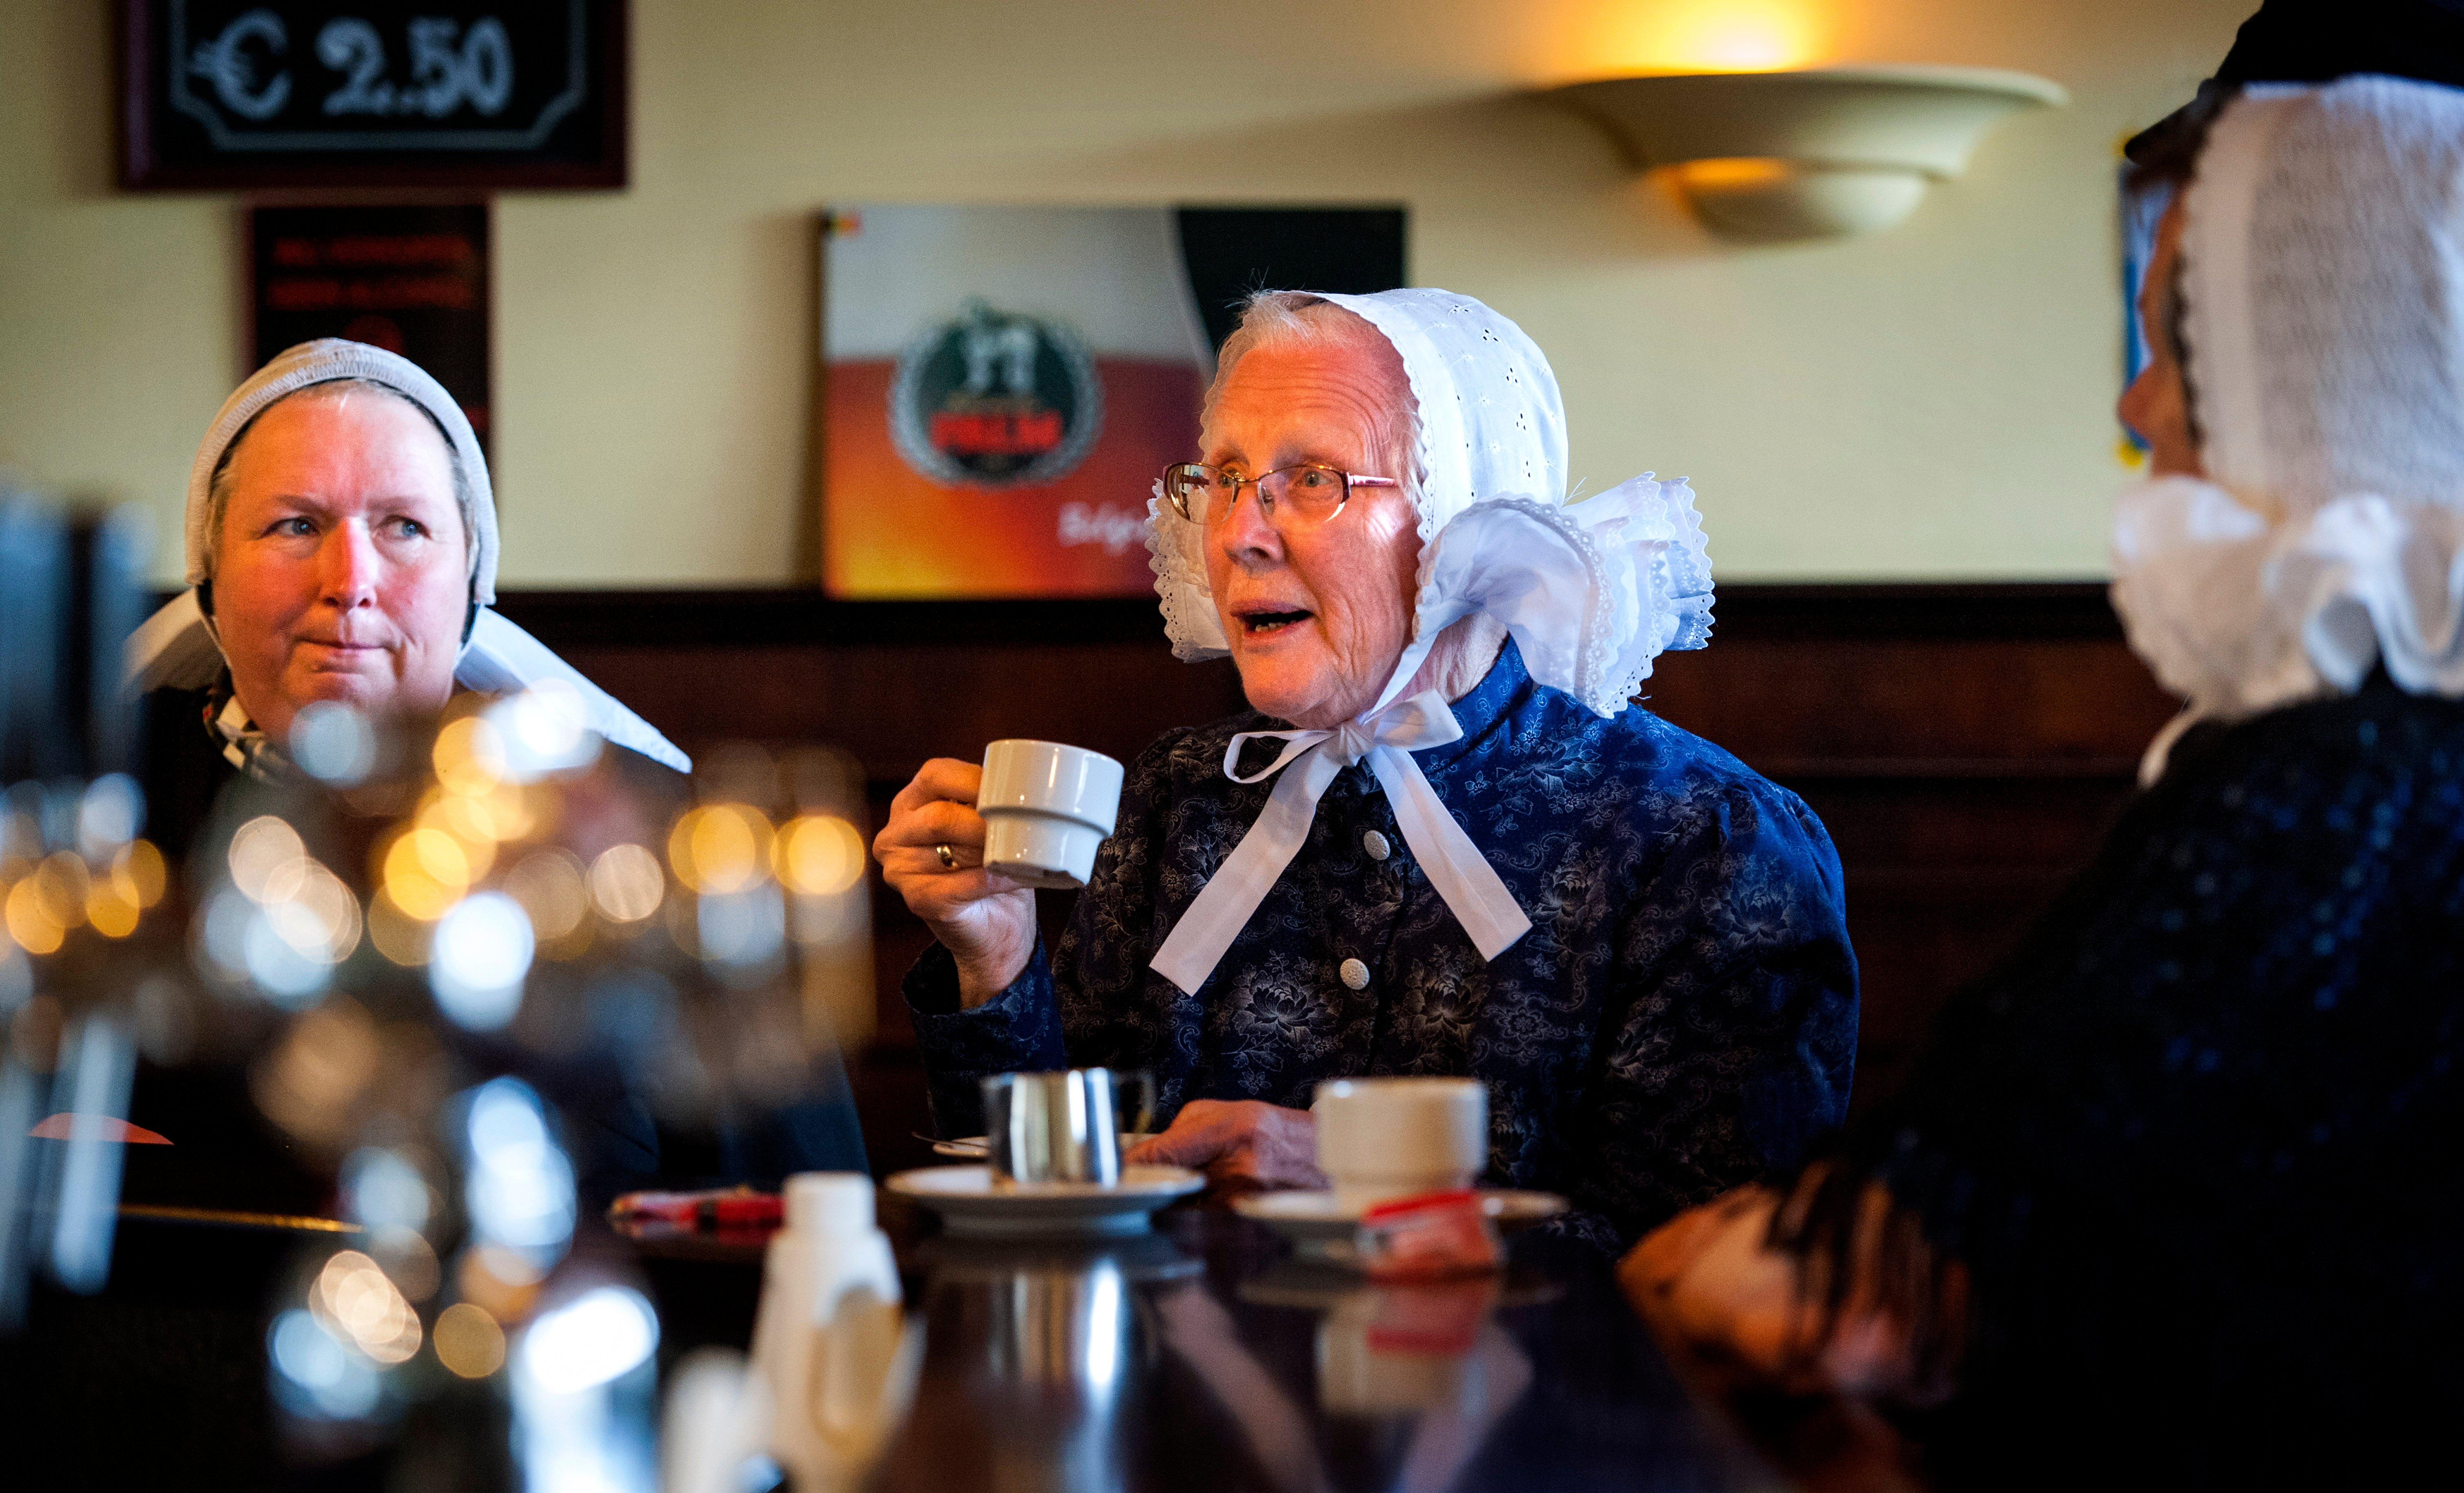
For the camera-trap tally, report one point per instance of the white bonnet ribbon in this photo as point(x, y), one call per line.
point(1386, 737)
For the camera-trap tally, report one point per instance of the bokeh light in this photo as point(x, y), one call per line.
point(30, 922)
point(481, 955)
point(518, 1186)
point(384, 1189)
point(470, 755)
point(109, 815)
point(426, 872)
point(356, 1300)
point(740, 929)
point(819, 855)
point(397, 935)
point(548, 884)
point(61, 886)
point(627, 883)
point(111, 914)
point(469, 1342)
point(312, 1083)
point(260, 848)
point(720, 848)
point(139, 875)
point(544, 730)
point(504, 1283)
point(602, 1334)
point(334, 743)
point(314, 1373)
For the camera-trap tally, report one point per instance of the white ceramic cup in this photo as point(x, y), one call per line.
point(1046, 807)
point(1382, 1138)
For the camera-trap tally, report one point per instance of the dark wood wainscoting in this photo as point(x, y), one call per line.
point(1966, 744)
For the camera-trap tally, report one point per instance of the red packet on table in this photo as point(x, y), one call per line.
point(1435, 1234)
point(731, 1208)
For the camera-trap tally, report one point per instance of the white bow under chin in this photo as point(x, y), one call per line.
point(1385, 738)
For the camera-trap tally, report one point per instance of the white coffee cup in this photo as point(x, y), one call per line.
point(1382, 1138)
point(1046, 807)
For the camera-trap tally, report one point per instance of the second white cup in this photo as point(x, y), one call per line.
point(1046, 807)
point(1382, 1138)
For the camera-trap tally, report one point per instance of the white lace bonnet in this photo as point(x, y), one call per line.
point(1592, 591)
point(2323, 288)
point(177, 647)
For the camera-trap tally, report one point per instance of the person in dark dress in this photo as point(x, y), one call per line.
point(2172, 1198)
point(1474, 856)
point(342, 547)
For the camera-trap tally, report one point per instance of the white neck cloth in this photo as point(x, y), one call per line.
point(2323, 286)
point(177, 647)
point(1591, 592)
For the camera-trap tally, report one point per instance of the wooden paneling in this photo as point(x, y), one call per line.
point(1966, 744)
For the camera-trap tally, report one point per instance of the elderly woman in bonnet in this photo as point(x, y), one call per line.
point(2174, 1186)
point(341, 546)
point(1444, 842)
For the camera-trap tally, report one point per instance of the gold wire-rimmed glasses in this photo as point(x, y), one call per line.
point(1308, 493)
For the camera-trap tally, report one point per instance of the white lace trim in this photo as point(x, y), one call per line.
point(2239, 613)
point(1189, 616)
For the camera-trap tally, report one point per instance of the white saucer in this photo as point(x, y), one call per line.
point(1321, 1227)
point(980, 1148)
point(971, 1207)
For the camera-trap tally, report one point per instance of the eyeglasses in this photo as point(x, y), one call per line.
point(1307, 495)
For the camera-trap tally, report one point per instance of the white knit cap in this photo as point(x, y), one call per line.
point(1592, 592)
point(177, 647)
point(2322, 287)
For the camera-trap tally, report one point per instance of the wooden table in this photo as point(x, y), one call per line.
point(1197, 1357)
point(1200, 1357)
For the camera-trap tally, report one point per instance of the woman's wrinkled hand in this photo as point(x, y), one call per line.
point(987, 922)
point(1710, 1283)
point(1706, 1279)
point(1242, 1145)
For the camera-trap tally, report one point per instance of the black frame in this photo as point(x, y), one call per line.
point(137, 54)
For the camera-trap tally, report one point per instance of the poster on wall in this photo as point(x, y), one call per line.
point(458, 94)
point(2141, 212)
point(1003, 385)
point(410, 279)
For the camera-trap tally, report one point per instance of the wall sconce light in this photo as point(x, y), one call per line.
point(1766, 157)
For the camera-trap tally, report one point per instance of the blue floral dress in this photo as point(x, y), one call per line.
point(1680, 1018)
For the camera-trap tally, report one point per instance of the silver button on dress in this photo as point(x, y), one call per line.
point(1355, 974)
point(1376, 845)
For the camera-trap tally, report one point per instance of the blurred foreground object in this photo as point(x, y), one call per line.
point(81, 955)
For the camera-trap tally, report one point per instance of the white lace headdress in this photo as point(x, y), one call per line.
point(2323, 288)
point(178, 648)
point(1592, 593)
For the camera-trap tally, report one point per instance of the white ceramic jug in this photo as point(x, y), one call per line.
point(831, 1345)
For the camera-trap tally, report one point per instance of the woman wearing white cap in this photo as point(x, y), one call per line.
point(341, 545)
point(2170, 1199)
point(1470, 856)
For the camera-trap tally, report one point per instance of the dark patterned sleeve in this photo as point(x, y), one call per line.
point(1016, 1031)
point(1731, 1036)
point(1115, 1012)
point(1090, 988)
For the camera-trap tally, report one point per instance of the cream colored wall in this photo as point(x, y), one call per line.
point(1930, 401)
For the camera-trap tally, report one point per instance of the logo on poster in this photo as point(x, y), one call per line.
point(995, 400)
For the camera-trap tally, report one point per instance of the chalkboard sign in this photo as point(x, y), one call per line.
point(410, 279)
point(472, 94)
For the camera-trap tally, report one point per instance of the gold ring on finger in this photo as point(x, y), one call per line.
point(948, 857)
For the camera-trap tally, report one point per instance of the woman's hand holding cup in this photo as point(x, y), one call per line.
point(987, 922)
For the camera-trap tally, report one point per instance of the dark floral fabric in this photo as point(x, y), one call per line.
point(2193, 1143)
point(1680, 1018)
